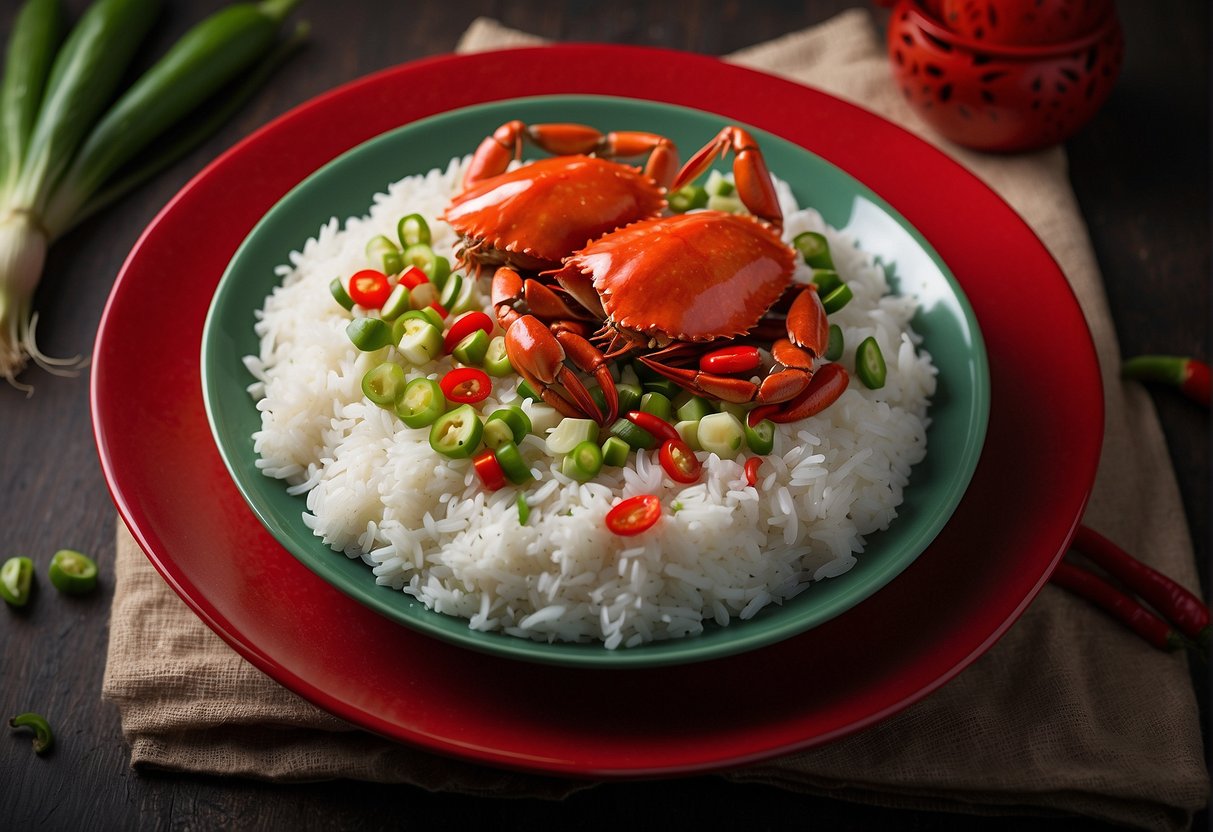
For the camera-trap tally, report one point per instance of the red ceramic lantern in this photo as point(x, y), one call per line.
point(996, 96)
point(1023, 22)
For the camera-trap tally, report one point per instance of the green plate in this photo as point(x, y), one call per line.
point(345, 188)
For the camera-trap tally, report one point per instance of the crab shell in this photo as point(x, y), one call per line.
point(689, 277)
point(533, 216)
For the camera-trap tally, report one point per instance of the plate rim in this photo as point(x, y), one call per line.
point(148, 536)
point(738, 637)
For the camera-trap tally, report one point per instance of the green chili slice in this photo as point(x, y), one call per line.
point(338, 290)
point(869, 363)
point(826, 281)
point(837, 299)
point(16, 578)
point(513, 418)
point(526, 391)
point(413, 230)
point(496, 362)
point(457, 432)
point(397, 303)
point(421, 403)
point(583, 463)
point(384, 384)
point(384, 255)
point(369, 334)
point(472, 349)
point(761, 437)
point(814, 248)
point(688, 197)
point(835, 345)
point(72, 572)
point(43, 738)
point(512, 464)
point(524, 511)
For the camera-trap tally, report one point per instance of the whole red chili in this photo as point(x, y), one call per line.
point(1190, 375)
point(1186, 611)
point(655, 425)
point(737, 359)
point(1108, 598)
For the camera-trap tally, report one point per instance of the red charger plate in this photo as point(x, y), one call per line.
point(1014, 523)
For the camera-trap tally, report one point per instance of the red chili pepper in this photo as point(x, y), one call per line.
point(751, 470)
point(1108, 598)
point(465, 325)
point(679, 461)
point(1190, 375)
point(738, 359)
point(369, 288)
point(466, 385)
point(634, 515)
point(1186, 611)
point(413, 277)
point(489, 469)
point(655, 425)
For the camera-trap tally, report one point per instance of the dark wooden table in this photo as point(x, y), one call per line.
point(1141, 172)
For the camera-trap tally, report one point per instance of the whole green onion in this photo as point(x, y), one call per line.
point(67, 150)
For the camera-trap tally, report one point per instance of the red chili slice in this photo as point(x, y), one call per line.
point(464, 326)
point(679, 461)
point(751, 470)
point(655, 425)
point(466, 385)
point(489, 469)
point(413, 277)
point(738, 359)
point(369, 288)
point(634, 515)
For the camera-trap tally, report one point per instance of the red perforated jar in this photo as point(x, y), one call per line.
point(998, 96)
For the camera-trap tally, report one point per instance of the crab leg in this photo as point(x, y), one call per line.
point(750, 174)
point(495, 153)
point(539, 358)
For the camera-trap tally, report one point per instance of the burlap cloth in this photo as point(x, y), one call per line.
point(1069, 712)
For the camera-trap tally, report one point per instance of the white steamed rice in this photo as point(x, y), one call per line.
point(425, 525)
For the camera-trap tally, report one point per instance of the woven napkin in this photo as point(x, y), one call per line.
point(1069, 712)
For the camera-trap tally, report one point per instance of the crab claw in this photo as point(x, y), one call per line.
point(538, 357)
point(827, 385)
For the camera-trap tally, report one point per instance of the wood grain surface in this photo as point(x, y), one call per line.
point(1141, 173)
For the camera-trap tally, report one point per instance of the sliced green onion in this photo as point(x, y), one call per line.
point(524, 511)
point(569, 433)
point(424, 294)
point(693, 408)
point(420, 341)
point(688, 429)
point(384, 255)
point(526, 391)
point(369, 334)
point(814, 248)
point(687, 198)
point(836, 345)
point(436, 268)
point(472, 349)
point(429, 313)
point(72, 572)
point(760, 437)
point(43, 738)
point(721, 434)
point(837, 299)
point(16, 578)
point(615, 451)
point(635, 437)
point(739, 411)
point(397, 303)
point(512, 464)
point(658, 404)
point(413, 230)
point(496, 362)
point(629, 396)
point(515, 421)
point(450, 290)
point(457, 432)
point(717, 185)
point(583, 462)
point(384, 384)
point(869, 363)
point(728, 204)
point(467, 299)
point(421, 403)
point(340, 294)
